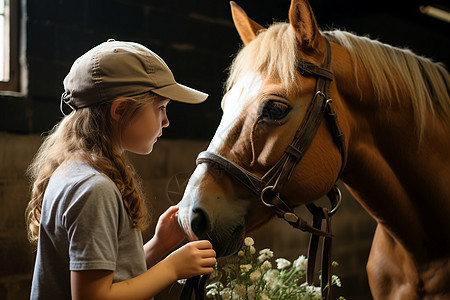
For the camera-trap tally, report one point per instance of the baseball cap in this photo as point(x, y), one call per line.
point(120, 69)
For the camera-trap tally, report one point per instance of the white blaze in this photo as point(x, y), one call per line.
point(233, 104)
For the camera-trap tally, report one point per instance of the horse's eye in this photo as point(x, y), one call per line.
point(274, 110)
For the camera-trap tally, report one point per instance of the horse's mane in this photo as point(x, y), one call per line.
point(425, 82)
point(273, 52)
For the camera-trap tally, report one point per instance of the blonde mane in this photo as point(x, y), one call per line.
point(426, 83)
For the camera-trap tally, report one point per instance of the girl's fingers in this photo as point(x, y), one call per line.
point(209, 262)
point(207, 270)
point(171, 210)
point(208, 253)
point(203, 244)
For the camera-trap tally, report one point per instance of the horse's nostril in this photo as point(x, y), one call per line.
point(200, 222)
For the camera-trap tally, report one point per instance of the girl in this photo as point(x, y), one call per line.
point(87, 212)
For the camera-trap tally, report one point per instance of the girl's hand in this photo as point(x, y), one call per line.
point(168, 233)
point(194, 258)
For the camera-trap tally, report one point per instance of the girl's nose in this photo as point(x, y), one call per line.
point(165, 122)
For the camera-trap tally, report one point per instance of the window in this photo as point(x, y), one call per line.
point(9, 50)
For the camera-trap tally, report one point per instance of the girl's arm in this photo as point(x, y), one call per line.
point(194, 258)
point(168, 234)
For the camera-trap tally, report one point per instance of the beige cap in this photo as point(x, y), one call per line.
point(114, 69)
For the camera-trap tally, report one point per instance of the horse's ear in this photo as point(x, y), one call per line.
point(246, 27)
point(305, 26)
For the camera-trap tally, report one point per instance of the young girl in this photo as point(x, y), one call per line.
point(87, 211)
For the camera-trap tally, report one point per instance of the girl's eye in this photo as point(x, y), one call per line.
point(273, 110)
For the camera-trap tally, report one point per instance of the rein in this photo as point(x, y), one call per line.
point(269, 186)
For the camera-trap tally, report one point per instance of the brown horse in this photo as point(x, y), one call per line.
point(393, 108)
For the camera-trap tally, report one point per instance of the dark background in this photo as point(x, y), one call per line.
point(197, 40)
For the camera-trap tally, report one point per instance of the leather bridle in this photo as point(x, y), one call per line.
point(269, 186)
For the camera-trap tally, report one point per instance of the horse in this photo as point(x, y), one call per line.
point(388, 143)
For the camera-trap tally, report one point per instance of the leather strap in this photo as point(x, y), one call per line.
point(337, 133)
point(283, 211)
point(312, 120)
point(252, 182)
point(302, 140)
point(325, 282)
point(312, 248)
point(312, 69)
point(326, 257)
point(189, 287)
point(194, 286)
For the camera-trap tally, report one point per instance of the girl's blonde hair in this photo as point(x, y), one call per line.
point(89, 135)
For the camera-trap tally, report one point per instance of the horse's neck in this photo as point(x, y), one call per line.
point(404, 184)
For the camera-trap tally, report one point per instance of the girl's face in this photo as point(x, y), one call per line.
point(142, 132)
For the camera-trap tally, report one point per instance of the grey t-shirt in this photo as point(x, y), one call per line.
point(84, 226)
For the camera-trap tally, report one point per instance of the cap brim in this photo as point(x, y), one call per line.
point(181, 93)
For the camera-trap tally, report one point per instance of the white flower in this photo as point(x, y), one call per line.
point(248, 241)
point(215, 285)
point(255, 275)
point(317, 293)
point(236, 297)
point(228, 268)
point(245, 268)
point(240, 290)
point(264, 297)
point(318, 296)
point(336, 280)
point(301, 263)
point(226, 293)
point(313, 291)
point(282, 263)
point(216, 274)
point(266, 266)
point(213, 289)
point(251, 292)
point(271, 277)
point(253, 278)
point(265, 254)
point(211, 293)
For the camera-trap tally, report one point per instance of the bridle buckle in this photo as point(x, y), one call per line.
point(267, 195)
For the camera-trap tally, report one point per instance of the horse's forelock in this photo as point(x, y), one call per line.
point(272, 53)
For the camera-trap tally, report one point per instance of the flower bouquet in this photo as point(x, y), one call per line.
point(254, 278)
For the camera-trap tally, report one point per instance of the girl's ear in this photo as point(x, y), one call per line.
point(117, 109)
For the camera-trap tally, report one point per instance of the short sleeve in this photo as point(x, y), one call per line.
point(92, 222)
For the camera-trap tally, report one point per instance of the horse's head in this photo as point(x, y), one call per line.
point(266, 101)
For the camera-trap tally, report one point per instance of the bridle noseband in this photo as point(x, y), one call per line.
point(269, 186)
